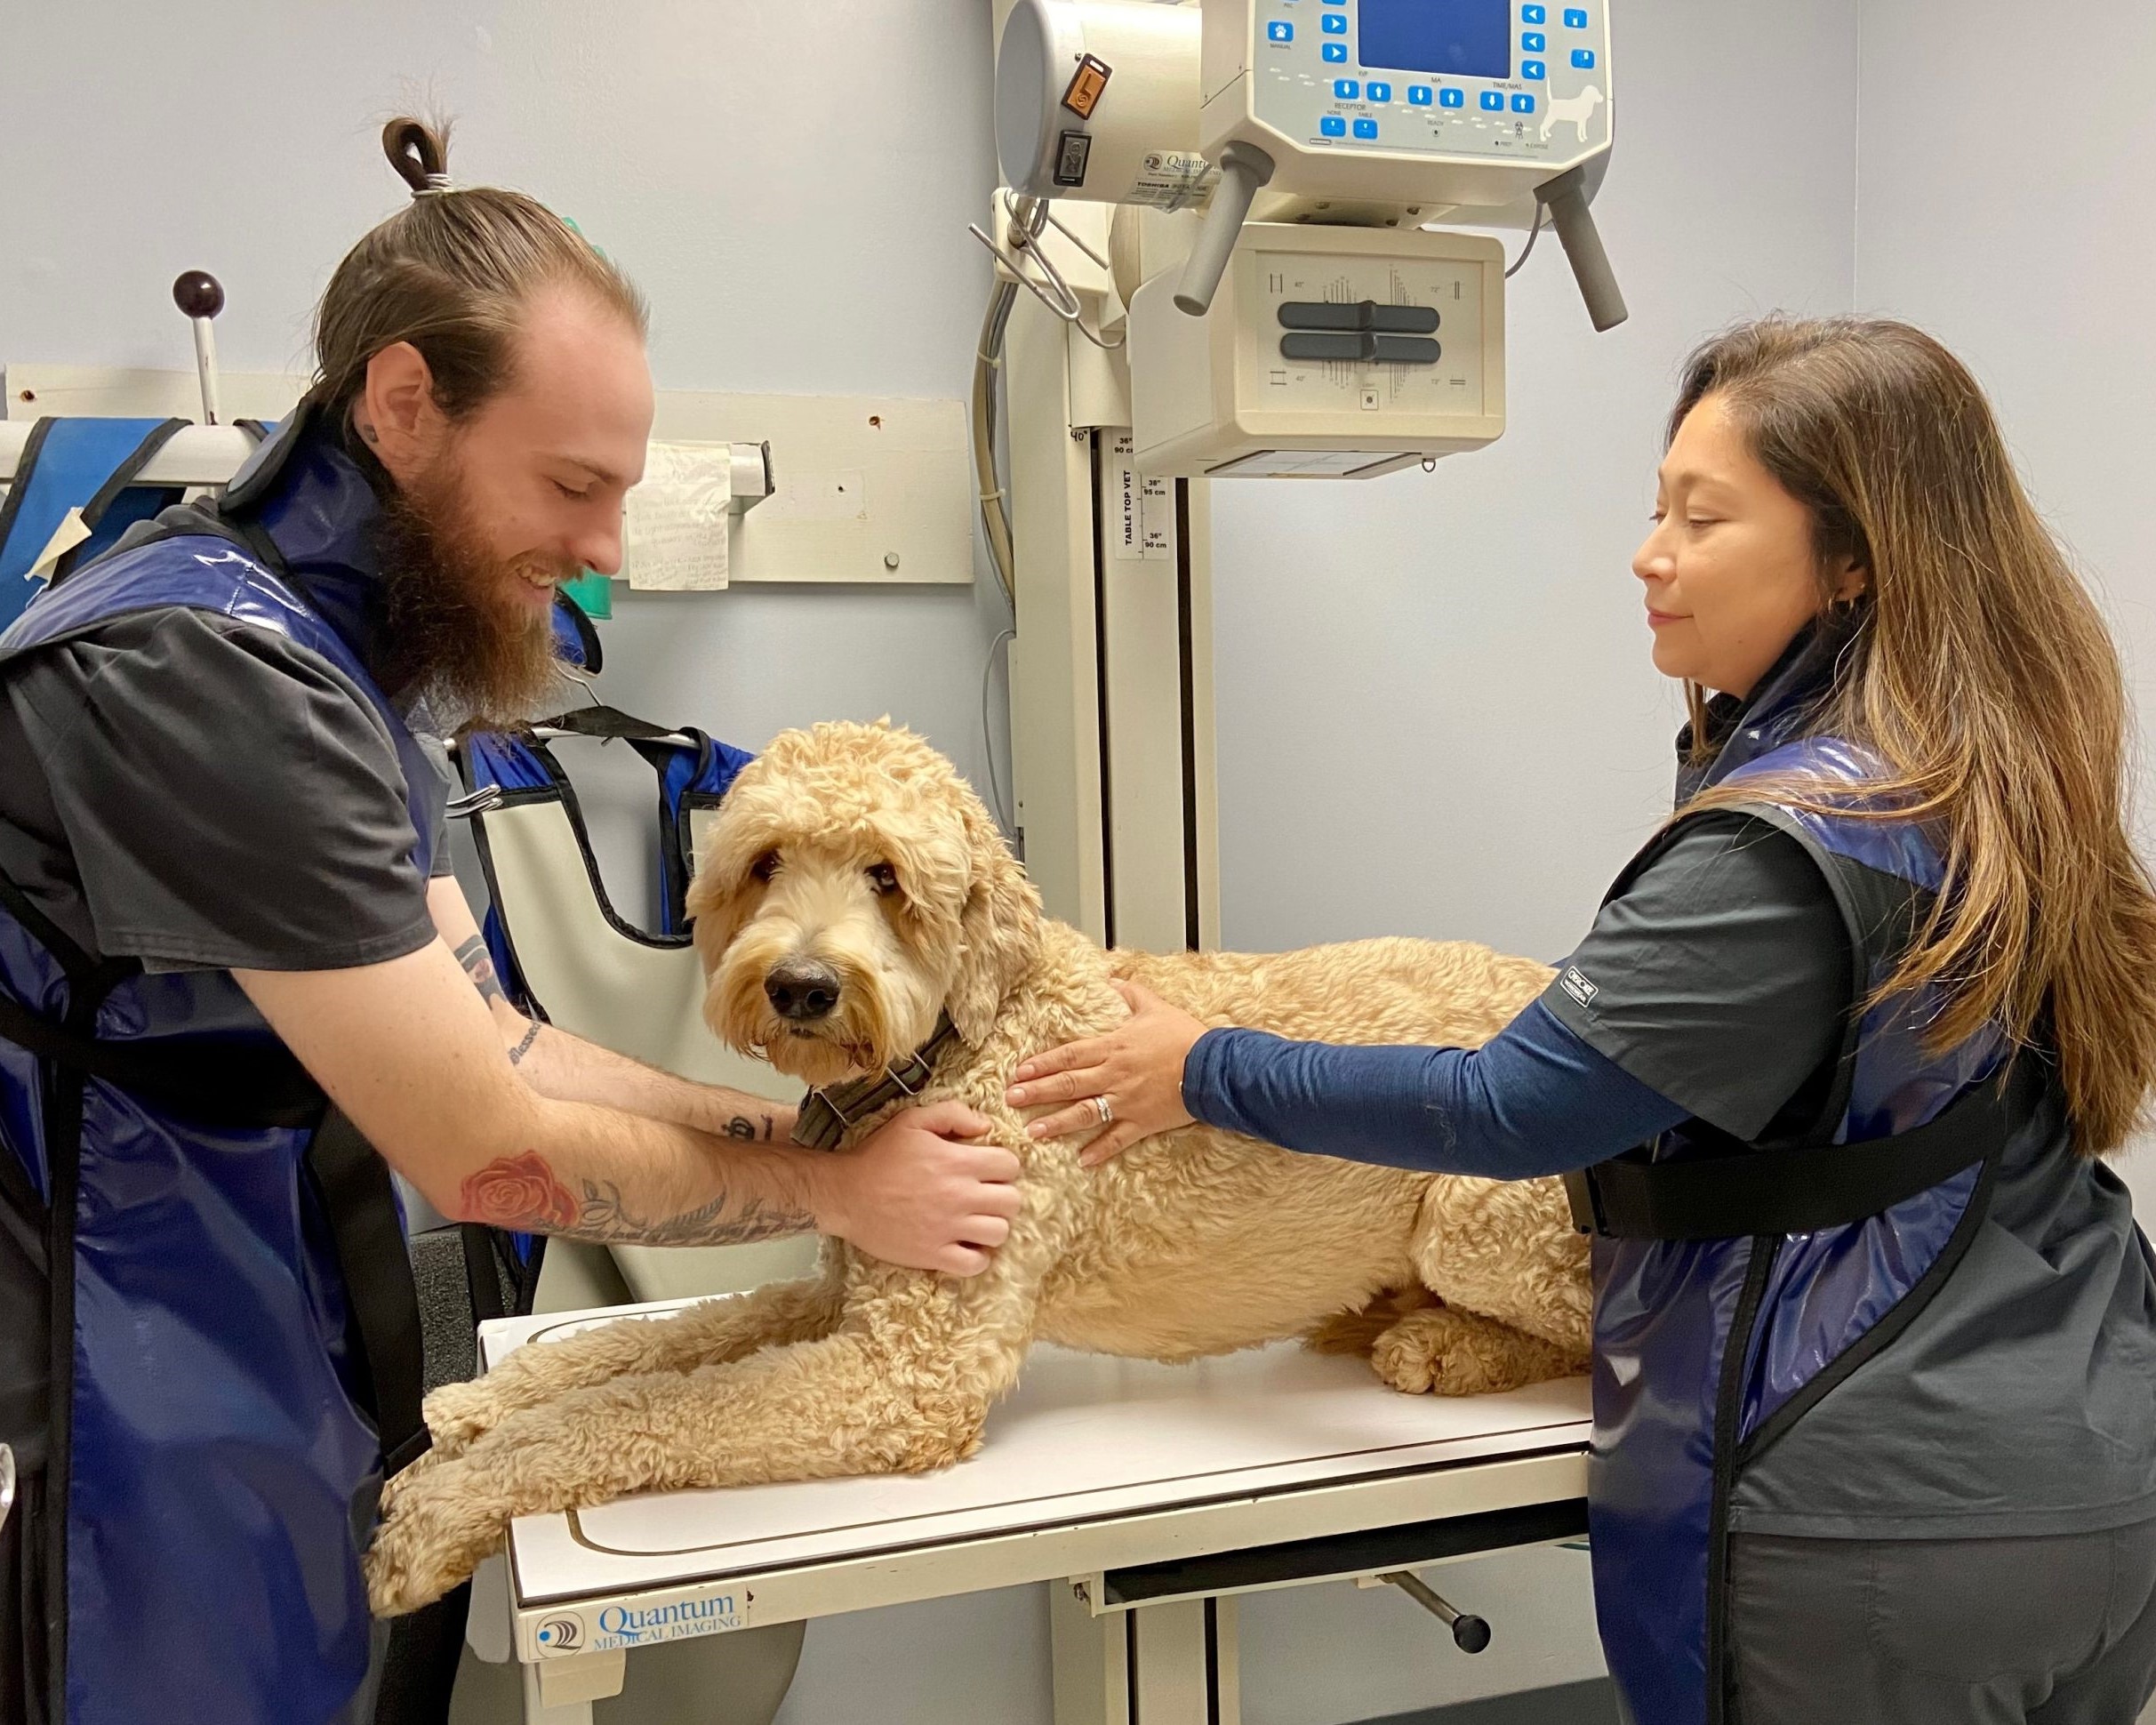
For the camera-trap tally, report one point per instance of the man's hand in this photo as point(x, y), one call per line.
point(915, 1192)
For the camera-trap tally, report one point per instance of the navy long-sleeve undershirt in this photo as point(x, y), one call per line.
point(1534, 1100)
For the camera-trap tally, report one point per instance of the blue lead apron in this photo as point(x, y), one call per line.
point(233, 1341)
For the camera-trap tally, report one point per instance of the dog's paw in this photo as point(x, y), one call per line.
point(1439, 1352)
point(1445, 1351)
point(459, 1414)
point(432, 1540)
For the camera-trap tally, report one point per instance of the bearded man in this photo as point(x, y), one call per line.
point(236, 978)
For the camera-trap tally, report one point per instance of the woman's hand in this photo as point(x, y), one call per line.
point(1138, 1068)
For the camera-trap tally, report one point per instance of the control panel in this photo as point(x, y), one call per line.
point(1519, 80)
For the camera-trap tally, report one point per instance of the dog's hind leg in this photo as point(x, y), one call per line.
point(1507, 1249)
point(1451, 1352)
point(706, 1334)
point(887, 1393)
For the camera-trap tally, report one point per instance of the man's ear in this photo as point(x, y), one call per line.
point(396, 414)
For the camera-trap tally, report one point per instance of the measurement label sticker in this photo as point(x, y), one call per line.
point(1145, 524)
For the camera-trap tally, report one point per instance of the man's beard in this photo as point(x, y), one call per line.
point(456, 632)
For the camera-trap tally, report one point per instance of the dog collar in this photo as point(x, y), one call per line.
point(828, 1114)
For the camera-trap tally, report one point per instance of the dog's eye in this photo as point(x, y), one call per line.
point(764, 866)
point(884, 877)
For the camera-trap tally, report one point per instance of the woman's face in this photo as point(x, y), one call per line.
point(1729, 569)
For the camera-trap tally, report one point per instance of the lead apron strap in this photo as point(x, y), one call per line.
point(1803, 1189)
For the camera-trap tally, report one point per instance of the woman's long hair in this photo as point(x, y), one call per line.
point(1982, 676)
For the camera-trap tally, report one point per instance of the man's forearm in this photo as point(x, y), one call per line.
point(569, 1069)
point(611, 1177)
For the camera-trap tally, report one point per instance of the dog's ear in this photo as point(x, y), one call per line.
point(717, 902)
point(998, 933)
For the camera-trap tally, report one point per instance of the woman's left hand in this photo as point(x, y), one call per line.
point(1137, 1067)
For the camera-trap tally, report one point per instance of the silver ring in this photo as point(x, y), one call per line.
point(1105, 1108)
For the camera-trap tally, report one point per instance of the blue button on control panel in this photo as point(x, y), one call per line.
point(1418, 95)
point(1336, 53)
point(1533, 42)
point(1533, 70)
point(1534, 15)
point(1523, 104)
point(1336, 23)
point(1452, 99)
point(1380, 92)
point(1281, 32)
point(1575, 18)
point(1493, 100)
point(1583, 58)
point(1346, 89)
point(1365, 128)
point(1332, 126)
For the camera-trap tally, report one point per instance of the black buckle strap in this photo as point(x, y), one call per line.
point(382, 1302)
point(205, 1081)
point(1801, 1190)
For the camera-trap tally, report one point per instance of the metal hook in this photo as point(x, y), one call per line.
point(1054, 292)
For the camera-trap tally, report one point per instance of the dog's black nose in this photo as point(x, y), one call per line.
point(802, 988)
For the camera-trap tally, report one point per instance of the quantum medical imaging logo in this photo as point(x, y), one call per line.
point(625, 1626)
point(561, 1635)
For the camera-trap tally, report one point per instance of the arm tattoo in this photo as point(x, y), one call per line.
point(523, 1193)
point(480, 968)
point(747, 1131)
point(524, 1047)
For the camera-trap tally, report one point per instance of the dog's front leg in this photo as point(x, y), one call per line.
point(877, 1399)
point(706, 1334)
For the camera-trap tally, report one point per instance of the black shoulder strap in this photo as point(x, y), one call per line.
point(19, 493)
point(1799, 1190)
point(118, 481)
point(209, 1083)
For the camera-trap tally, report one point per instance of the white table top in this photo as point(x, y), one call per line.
point(1084, 1438)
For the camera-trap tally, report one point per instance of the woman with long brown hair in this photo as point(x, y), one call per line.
point(1875, 1331)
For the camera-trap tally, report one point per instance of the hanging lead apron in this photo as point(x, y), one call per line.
point(572, 959)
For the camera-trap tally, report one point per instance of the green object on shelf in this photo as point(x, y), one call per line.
point(593, 594)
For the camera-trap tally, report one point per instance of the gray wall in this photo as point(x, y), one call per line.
point(1436, 709)
point(2033, 264)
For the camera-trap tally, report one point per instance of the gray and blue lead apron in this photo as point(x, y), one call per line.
point(1713, 1338)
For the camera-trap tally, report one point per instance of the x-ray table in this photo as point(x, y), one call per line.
point(1151, 1495)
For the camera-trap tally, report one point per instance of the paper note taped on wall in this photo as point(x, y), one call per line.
point(678, 517)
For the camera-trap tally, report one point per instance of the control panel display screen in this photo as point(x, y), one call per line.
point(1465, 38)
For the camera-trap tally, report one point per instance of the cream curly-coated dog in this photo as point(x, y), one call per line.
point(860, 847)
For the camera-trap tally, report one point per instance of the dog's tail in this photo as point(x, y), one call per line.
point(1357, 1332)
